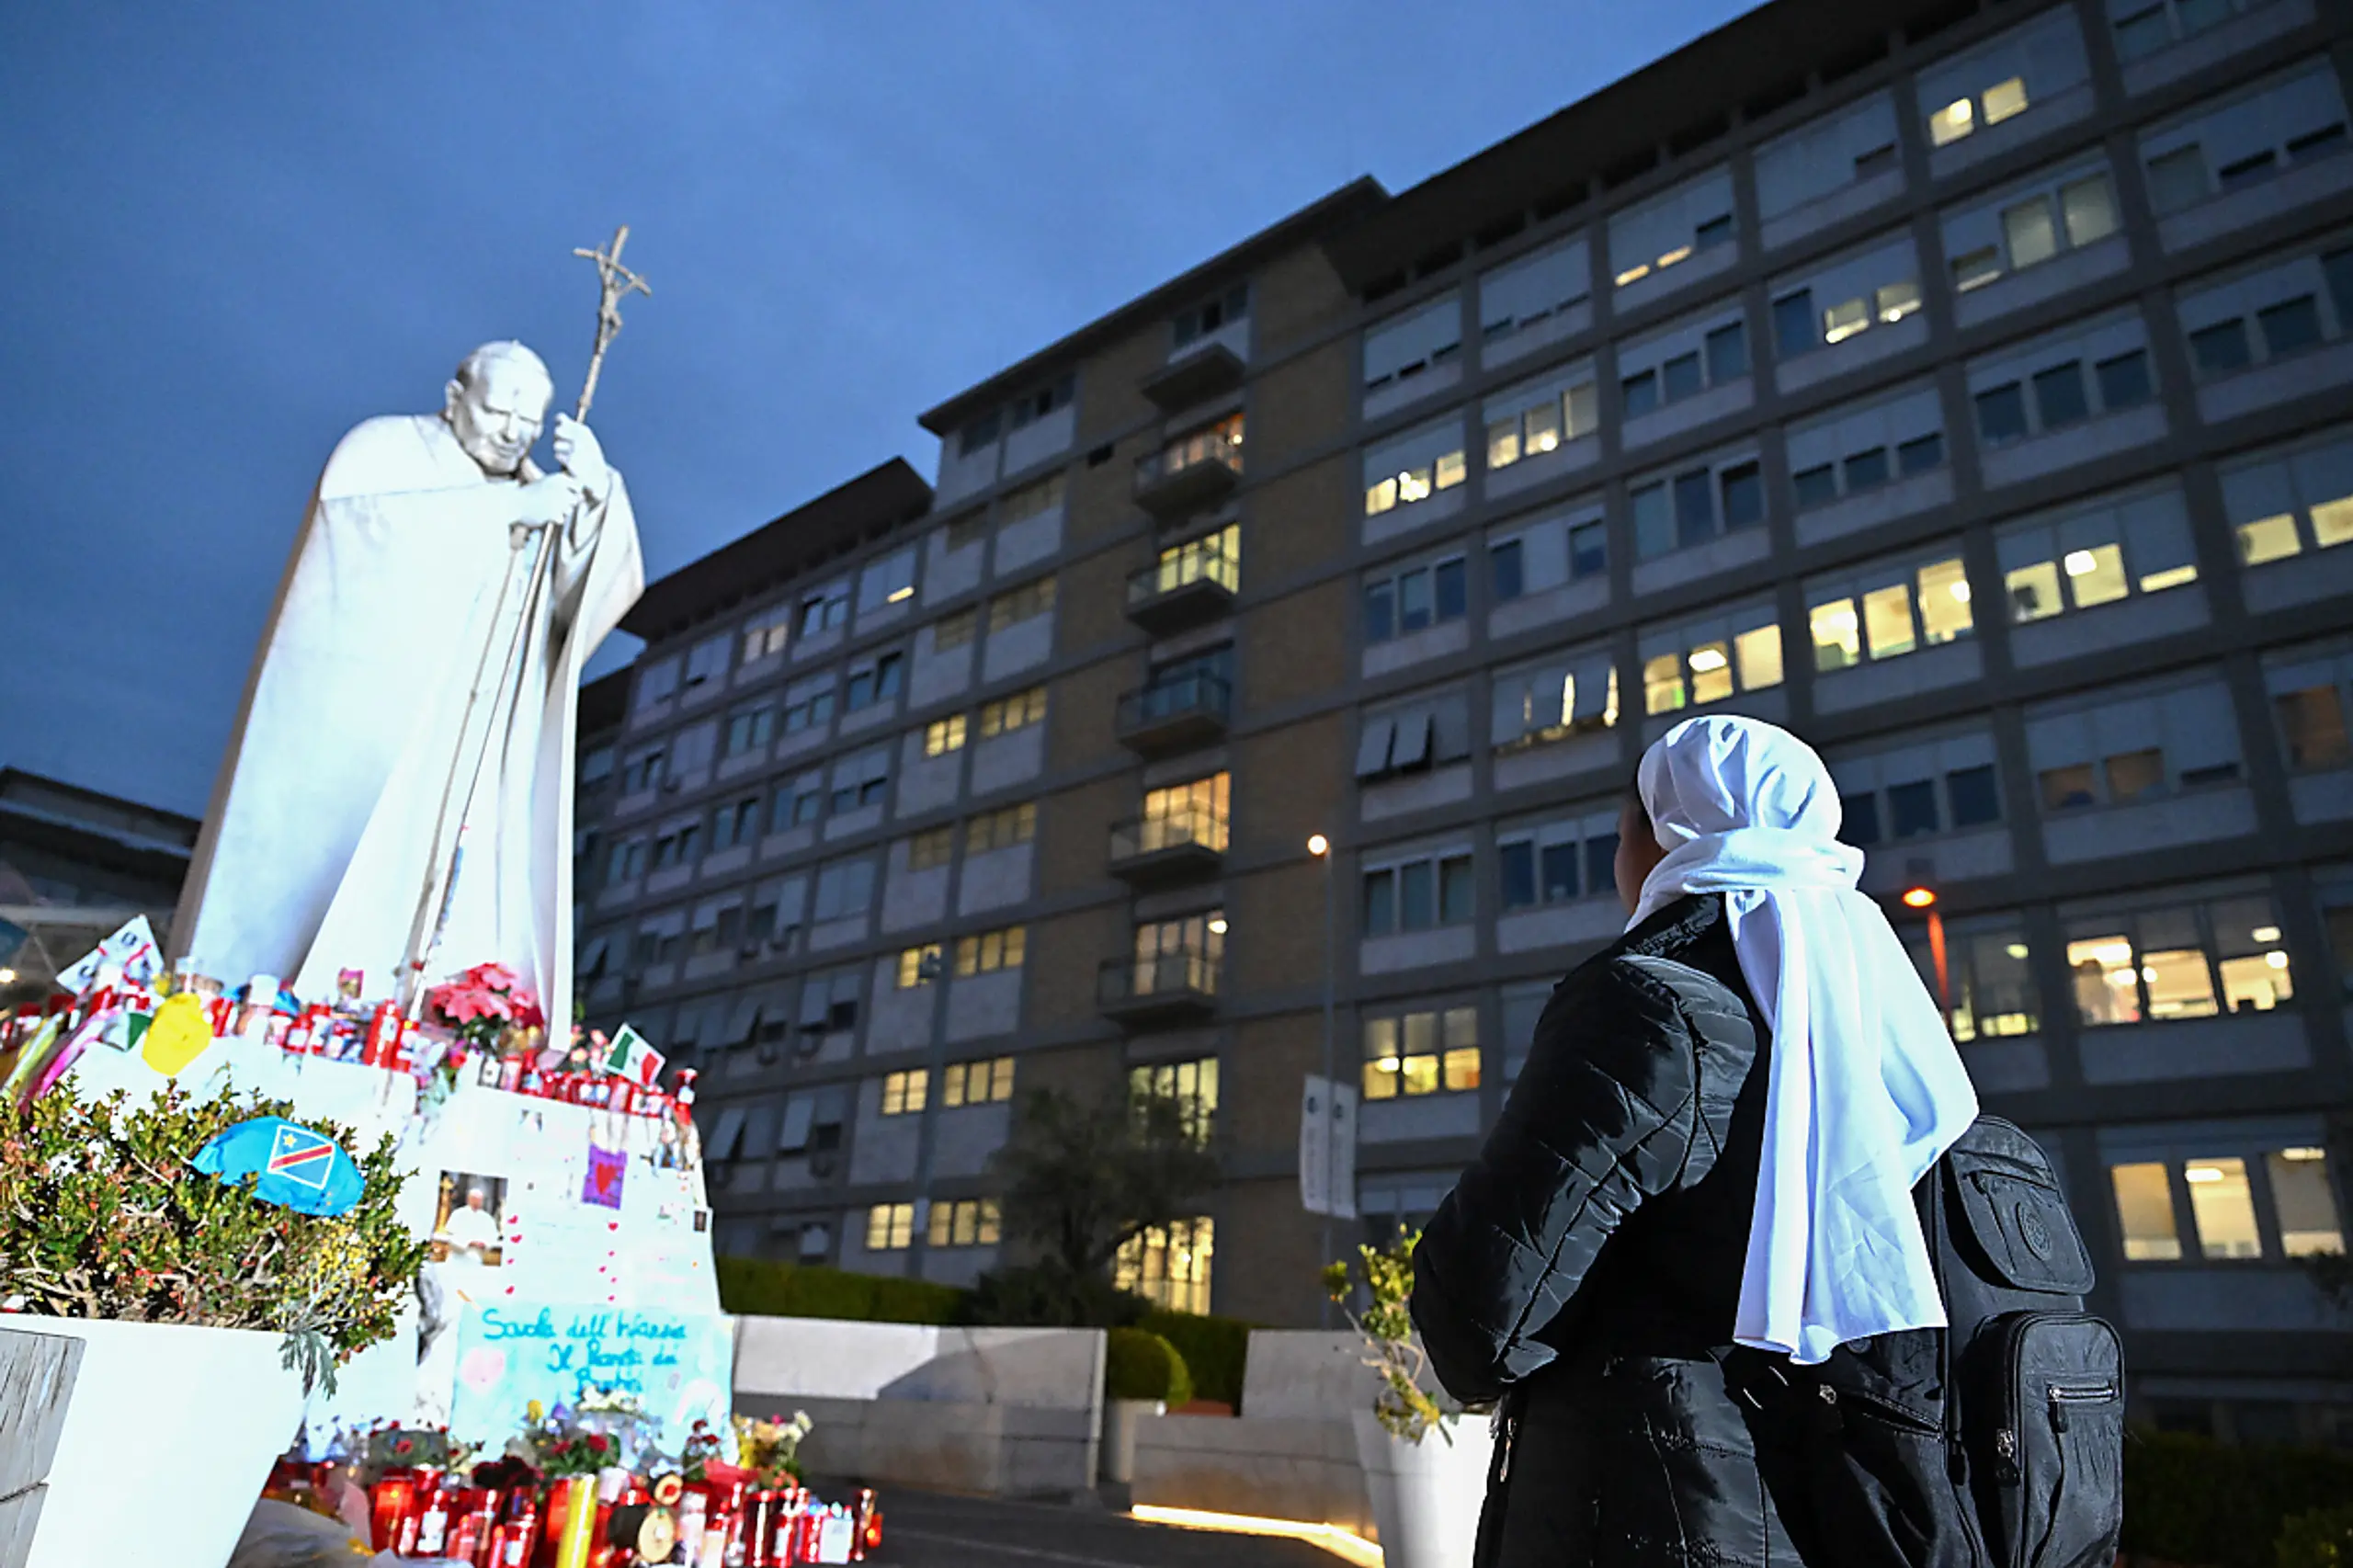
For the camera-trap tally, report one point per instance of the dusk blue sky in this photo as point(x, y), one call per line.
point(233, 231)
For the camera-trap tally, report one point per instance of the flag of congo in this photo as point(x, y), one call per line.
point(292, 1166)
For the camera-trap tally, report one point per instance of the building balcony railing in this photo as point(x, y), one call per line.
point(1185, 589)
point(1174, 714)
point(1194, 376)
point(1157, 849)
point(1166, 988)
point(1187, 475)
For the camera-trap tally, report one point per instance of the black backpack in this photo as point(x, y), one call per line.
point(1995, 1443)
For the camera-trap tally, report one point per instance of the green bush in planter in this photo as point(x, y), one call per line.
point(1141, 1365)
point(1216, 1351)
point(103, 1216)
point(2318, 1537)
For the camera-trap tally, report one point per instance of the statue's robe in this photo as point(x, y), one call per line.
point(383, 673)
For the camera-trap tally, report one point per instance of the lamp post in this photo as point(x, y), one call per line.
point(1321, 847)
point(1923, 897)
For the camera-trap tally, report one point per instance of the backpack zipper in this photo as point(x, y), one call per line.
point(2063, 1395)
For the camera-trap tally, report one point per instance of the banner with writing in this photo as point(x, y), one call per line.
point(678, 1365)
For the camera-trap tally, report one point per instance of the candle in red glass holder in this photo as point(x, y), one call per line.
point(388, 1502)
point(516, 1536)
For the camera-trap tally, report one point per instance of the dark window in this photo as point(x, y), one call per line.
point(1681, 378)
point(1816, 486)
point(1861, 826)
point(1458, 895)
point(2316, 144)
point(2337, 267)
point(2220, 348)
point(1414, 600)
point(2215, 773)
point(1560, 872)
point(1417, 904)
point(1588, 551)
point(2142, 32)
point(1877, 161)
point(1714, 231)
point(1518, 865)
point(1601, 863)
point(2252, 169)
point(1727, 354)
point(2288, 326)
point(2001, 413)
point(887, 671)
point(1448, 578)
point(1867, 471)
point(1503, 564)
point(1380, 902)
point(2312, 723)
point(2059, 395)
point(2125, 380)
point(1744, 488)
point(1379, 612)
point(1921, 453)
point(1795, 328)
point(1640, 393)
point(1975, 798)
point(1694, 520)
point(1912, 809)
point(981, 432)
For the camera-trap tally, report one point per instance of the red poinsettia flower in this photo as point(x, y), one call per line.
point(598, 1442)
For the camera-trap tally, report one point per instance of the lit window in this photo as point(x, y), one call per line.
point(944, 735)
point(890, 1227)
point(918, 966)
point(2223, 1208)
point(1952, 122)
point(990, 952)
point(2145, 1211)
point(1169, 1266)
point(2004, 99)
point(903, 1093)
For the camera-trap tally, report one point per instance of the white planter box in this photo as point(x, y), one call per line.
point(1426, 1497)
point(169, 1439)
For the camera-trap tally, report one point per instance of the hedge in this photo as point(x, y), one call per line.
point(1214, 1348)
point(2322, 1538)
point(758, 1288)
point(2192, 1499)
point(1138, 1364)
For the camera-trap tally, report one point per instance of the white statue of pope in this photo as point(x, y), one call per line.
point(414, 693)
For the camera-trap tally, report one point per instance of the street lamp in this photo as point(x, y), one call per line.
point(1920, 896)
point(1321, 848)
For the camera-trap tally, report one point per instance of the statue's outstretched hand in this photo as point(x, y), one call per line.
point(579, 454)
point(549, 499)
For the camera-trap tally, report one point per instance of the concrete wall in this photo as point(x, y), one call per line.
point(1007, 1412)
point(1272, 1467)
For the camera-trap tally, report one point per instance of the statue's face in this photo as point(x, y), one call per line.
point(498, 417)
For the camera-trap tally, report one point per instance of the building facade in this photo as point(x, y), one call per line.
point(1969, 388)
point(75, 864)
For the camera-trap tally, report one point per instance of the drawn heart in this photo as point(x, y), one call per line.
point(483, 1368)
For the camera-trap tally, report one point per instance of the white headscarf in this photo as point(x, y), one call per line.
point(1865, 1090)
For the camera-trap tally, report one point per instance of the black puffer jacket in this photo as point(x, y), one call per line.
point(1587, 1264)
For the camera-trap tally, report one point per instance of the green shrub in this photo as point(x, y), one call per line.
point(1216, 1351)
point(751, 1287)
point(103, 1216)
point(1140, 1364)
point(1048, 1294)
point(2317, 1537)
point(2190, 1499)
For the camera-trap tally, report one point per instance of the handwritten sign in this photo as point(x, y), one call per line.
point(680, 1366)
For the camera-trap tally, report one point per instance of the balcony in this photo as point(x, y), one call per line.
point(1173, 987)
point(1195, 377)
point(1175, 714)
point(1187, 587)
point(1187, 475)
point(1147, 851)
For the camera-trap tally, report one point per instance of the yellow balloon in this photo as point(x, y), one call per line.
point(179, 1034)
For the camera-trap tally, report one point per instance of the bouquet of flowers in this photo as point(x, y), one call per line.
point(770, 1449)
point(558, 1444)
point(483, 1004)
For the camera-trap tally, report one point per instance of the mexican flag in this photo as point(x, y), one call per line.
point(629, 1055)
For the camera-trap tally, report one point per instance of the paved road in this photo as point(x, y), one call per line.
point(925, 1530)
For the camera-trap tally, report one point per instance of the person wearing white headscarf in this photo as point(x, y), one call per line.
point(1710, 1154)
point(1865, 1090)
